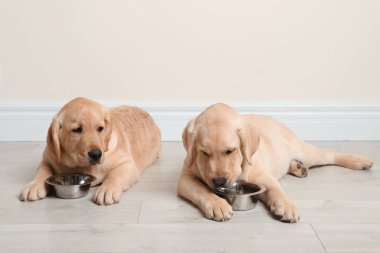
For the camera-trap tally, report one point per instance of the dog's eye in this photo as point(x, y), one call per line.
point(230, 151)
point(205, 153)
point(100, 129)
point(77, 130)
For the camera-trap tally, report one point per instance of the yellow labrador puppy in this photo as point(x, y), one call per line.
point(223, 147)
point(115, 145)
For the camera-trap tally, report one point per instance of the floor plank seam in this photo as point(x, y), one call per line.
point(316, 234)
point(138, 218)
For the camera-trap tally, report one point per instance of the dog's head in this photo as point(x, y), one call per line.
point(219, 145)
point(80, 133)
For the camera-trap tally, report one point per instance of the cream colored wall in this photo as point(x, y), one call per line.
point(199, 50)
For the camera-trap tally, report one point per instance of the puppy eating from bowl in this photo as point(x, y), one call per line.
point(114, 145)
point(224, 147)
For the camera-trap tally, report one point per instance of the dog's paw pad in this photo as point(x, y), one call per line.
point(297, 168)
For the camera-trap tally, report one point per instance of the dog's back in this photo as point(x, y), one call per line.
point(142, 133)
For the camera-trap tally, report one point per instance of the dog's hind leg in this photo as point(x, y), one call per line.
point(313, 156)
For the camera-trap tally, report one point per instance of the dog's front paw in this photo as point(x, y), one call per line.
point(285, 211)
point(217, 209)
point(107, 195)
point(34, 190)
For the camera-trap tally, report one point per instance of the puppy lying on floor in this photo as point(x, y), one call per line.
point(114, 145)
point(223, 147)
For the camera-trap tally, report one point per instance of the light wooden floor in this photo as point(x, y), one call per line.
point(340, 211)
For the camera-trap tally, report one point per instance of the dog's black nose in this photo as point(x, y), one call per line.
point(95, 155)
point(219, 181)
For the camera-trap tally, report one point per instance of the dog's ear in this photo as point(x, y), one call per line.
point(107, 129)
point(189, 139)
point(249, 142)
point(187, 134)
point(53, 142)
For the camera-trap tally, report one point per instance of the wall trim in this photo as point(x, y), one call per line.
point(324, 122)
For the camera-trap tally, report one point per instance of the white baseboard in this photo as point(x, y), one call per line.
point(324, 122)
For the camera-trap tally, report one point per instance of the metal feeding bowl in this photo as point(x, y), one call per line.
point(71, 186)
point(241, 196)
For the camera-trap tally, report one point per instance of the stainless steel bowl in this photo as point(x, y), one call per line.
point(241, 195)
point(71, 186)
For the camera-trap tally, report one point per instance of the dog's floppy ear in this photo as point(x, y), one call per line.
point(249, 142)
point(188, 139)
point(53, 137)
point(107, 129)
